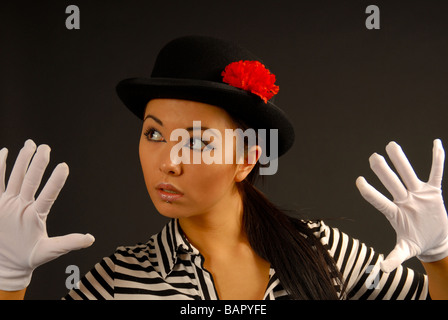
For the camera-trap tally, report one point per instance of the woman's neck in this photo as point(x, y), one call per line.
point(237, 271)
point(218, 230)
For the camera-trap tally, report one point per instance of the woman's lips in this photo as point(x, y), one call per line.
point(168, 192)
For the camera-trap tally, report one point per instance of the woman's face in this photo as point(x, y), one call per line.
point(201, 187)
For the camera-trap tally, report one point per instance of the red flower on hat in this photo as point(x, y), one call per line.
point(251, 76)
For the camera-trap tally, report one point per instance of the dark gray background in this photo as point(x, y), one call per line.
point(348, 90)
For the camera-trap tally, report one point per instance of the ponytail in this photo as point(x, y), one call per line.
point(302, 263)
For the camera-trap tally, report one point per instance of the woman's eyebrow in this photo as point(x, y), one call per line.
point(161, 123)
point(154, 118)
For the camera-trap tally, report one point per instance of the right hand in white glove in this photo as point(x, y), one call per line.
point(24, 242)
point(417, 212)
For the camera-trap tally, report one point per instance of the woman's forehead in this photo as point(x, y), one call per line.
point(176, 112)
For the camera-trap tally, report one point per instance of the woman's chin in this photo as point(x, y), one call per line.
point(170, 210)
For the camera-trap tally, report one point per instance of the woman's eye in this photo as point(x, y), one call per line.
point(198, 144)
point(153, 134)
point(194, 143)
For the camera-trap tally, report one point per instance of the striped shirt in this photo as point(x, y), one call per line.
point(169, 267)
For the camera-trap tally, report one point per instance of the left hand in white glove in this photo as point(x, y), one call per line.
point(417, 212)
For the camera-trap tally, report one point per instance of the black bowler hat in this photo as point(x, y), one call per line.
point(195, 67)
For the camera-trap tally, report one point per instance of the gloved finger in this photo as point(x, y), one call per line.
point(387, 177)
point(51, 189)
point(36, 170)
point(20, 167)
point(404, 168)
point(396, 257)
point(51, 248)
point(3, 156)
point(376, 199)
point(438, 159)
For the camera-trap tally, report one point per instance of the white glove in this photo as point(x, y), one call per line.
point(417, 212)
point(24, 242)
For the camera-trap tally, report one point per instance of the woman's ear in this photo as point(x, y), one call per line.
point(250, 160)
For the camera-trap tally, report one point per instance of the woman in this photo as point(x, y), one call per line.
point(226, 240)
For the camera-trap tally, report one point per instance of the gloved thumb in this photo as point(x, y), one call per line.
point(48, 249)
point(396, 257)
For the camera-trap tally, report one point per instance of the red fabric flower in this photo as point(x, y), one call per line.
point(251, 76)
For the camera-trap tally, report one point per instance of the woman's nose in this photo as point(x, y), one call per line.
point(169, 167)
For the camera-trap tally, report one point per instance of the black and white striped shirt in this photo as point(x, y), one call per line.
point(169, 267)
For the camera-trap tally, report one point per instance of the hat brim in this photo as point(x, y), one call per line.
point(137, 92)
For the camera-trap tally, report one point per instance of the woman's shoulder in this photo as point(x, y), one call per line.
point(134, 254)
point(326, 234)
point(318, 227)
point(138, 250)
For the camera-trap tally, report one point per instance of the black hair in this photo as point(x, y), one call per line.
point(302, 263)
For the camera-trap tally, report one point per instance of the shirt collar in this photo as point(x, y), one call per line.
point(169, 243)
point(172, 242)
